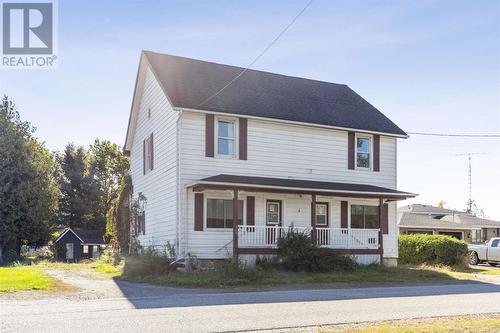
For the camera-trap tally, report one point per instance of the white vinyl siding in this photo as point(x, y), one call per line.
point(283, 151)
point(159, 185)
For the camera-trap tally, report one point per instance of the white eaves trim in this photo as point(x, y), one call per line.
point(299, 189)
point(65, 232)
point(298, 123)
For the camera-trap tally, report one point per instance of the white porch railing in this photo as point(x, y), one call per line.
point(335, 238)
point(344, 238)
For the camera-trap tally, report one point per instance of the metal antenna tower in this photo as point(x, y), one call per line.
point(469, 202)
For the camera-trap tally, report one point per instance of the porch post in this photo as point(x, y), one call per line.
point(313, 217)
point(380, 234)
point(235, 223)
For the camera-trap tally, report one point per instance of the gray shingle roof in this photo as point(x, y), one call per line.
point(409, 220)
point(189, 82)
point(419, 208)
point(453, 220)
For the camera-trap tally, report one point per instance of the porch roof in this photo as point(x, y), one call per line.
point(288, 185)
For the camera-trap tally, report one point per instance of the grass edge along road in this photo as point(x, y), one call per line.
point(22, 278)
point(456, 324)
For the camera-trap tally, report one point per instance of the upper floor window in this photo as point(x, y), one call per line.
point(226, 138)
point(363, 152)
point(148, 154)
point(364, 217)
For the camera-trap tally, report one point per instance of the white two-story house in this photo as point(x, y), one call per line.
point(225, 173)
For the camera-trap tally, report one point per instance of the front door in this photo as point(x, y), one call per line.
point(273, 219)
point(95, 252)
point(323, 237)
point(69, 251)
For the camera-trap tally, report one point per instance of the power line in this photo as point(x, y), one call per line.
point(457, 135)
point(258, 57)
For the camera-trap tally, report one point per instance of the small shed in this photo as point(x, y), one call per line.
point(76, 245)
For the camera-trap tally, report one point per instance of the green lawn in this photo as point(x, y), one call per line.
point(476, 324)
point(258, 278)
point(136, 269)
point(24, 278)
point(263, 278)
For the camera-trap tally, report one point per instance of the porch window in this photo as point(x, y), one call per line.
point(322, 214)
point(363, 152)
point(220, 213)
point(85, 249)
point(364, 217)
point(226, 138)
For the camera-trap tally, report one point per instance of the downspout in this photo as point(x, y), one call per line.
point(178, 172)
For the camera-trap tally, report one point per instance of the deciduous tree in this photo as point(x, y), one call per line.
point(28, 189)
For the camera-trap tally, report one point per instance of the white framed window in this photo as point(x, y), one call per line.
point(85, 249)
point(363, 152)
point(220, 213)
point(322, 214)
point(149, 153)
point(365, 217)
point(226, 137)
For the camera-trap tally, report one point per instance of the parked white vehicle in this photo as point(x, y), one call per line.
point(490, 252)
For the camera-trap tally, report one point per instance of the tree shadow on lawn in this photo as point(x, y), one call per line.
point(295, 287)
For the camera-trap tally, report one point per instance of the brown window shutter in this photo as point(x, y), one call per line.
point(376, 153)
point(250, 210)
point(343, 214)
point(350, 150)
point(143, 157)
point(143, 223)
point(312, 215)
point(243, 133)
point(209, 135)
point(198, 211)
point(384, 224)
point(151, 150)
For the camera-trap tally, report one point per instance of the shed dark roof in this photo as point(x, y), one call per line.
point(302, 184)
point(189, 82)
point(91, 236)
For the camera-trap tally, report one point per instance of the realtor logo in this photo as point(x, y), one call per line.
point(28, 34)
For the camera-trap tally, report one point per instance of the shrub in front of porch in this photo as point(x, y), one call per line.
point(148, 263)
point(431, 249)
point(327, 260)
point(296, 252)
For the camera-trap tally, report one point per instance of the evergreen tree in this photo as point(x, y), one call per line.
point(79, 195)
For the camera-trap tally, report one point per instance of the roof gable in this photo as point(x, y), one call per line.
point(187, 83)
point(85, 236)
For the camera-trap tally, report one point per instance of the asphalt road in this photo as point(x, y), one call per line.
point(208, 311)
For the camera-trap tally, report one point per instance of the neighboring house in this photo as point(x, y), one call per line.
point(279, 151)
point(426, 219)
point(77, 245)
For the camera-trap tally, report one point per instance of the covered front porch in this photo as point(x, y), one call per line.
point(329, 212)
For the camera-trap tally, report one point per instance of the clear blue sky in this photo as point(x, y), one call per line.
point(428, 65)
